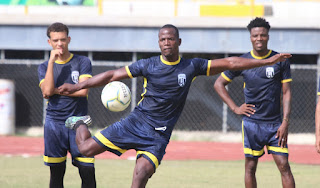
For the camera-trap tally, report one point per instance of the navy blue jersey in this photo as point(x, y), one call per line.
point(61, 107)
point(262, 87)
point(166, 85)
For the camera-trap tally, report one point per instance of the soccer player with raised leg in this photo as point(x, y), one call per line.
point(147, 129)
point(262, 124)
point(64, 67)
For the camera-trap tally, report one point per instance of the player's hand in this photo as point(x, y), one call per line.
point(245, 109)
point(55, 54)
point(67, 89)
point(282, 134)
point(278, 58)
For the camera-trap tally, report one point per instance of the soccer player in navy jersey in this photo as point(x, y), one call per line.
point(147, 129)
point(64, 67)
point(262, 124)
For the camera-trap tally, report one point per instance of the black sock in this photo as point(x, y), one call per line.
point(87, 174)
point(56, 176)
point(78, 123)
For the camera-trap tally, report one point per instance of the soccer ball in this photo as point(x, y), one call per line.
point(116, 96)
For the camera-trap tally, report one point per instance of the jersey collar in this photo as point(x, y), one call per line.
point(170, 63)
point(66, 61)
point(258, 57)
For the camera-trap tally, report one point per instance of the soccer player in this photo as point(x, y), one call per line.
point(147, 129)
point(262, 124)
point(64, 67)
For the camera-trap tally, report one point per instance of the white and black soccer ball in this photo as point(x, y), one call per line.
point(116, 96)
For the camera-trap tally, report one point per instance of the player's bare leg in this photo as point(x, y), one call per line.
point(86, 145)
point(250, 172)
point(142, 172)
point(285, 170)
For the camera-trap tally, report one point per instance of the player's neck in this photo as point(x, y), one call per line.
point(261, 53)
point(65, 56)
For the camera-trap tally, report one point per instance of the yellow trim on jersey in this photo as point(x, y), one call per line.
point(253, 152)
point(226, 77)
point(85, 76)
point(128, 72)
point(41, 82)
point(193, 78)
point(278, 149)
point(244, 85)
point(66, 61)
point(151, 156)
point(85, 160)
point(208, 69)
point(257, 57)
point(318, 93)
point(145, 90)
point(170, 63)
point(286, 80)
point(107, 143)
point(54, 159)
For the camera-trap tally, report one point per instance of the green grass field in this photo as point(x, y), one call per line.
point(17, 172)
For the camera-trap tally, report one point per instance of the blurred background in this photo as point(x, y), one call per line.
point(114, 33)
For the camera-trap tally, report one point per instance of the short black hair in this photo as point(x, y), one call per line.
point(57, 27)
point(171, 26)
point(258, 22)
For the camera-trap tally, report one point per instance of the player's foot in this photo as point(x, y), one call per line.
point(72, 121)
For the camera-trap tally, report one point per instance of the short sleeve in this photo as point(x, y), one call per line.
point(42, 69)
point(202, 66)
point(286, 72)
point(230, 75)
point(137, 68)
point(85, 68)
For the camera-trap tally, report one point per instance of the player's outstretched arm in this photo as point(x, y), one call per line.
point(96, 81)
point(238, 63)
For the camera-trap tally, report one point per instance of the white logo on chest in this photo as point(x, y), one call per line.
point(269, 72)
point(75, 76)
point(181, 79)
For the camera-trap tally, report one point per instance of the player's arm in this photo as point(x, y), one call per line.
point(317, 120)
point(80, 93)
point(96, 81)
point(47, 86)
point(220, 87)
point(282, 132)
point(239, 63)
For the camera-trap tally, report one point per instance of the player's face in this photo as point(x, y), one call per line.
point(259, 37)
point(59, 40)
point(169, 44)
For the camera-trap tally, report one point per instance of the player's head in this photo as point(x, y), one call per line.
point(259, 34)
point(57, 27)
point(58, 34)
point(169, 41)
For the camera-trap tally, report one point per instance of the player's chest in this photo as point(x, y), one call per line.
point(171, 76)
point(262, 73)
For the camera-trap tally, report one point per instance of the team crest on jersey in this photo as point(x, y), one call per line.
point(75, 76)
point(181, 79)
point(269, 72)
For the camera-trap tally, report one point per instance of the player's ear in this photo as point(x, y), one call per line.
point(180, 41)
point(49, 42)
point(69, 39)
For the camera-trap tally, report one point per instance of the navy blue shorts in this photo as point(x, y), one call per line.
point(257, 135)
point(58, 140)
point(132, 133)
